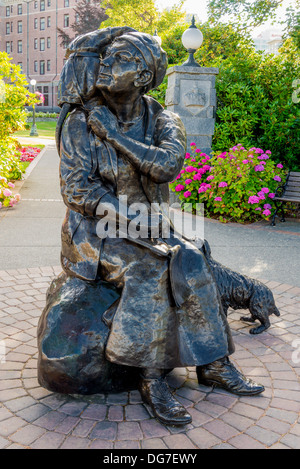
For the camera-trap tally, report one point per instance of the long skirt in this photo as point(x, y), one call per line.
point(147, 328)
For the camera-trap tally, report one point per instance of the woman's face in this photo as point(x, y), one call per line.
point(120, 68)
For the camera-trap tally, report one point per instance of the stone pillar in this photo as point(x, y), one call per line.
point(191, 94)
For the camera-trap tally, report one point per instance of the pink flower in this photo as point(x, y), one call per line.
point(218, 199)
point(10, 184)
point(277, 178)
point(267, 213)
point(7, 193)
point(198, 151)
point(210, 178)
point(271, 195)
point(258, 209)
point(193, 144)
point(179, 188)
point(267, 206)
point(206, 167)
point(17, 197)
point(188, 181)
point(253, 200)
point(187, 155)
point(261, 195)
point(187, 194)
point(182, 171)
point(197, 177)
point(264, 156)
point(245, 161)
point(204, 187)
point(259, 167)
point(190, 169)
point(280, 166)
point(223, 184)
point(265, 190)
point(268, 152)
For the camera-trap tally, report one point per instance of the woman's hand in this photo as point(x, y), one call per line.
point(103, 123)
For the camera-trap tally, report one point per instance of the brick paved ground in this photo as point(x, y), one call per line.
point(32, 417)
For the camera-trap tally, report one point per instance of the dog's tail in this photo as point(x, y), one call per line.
point(276, 311)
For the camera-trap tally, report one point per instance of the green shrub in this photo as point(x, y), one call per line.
point(238, 185)
point(43, 115)
point(255, 103)
point(14, 97)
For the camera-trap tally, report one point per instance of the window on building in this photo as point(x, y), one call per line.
point(48, 42)
point(66, 21)
point(42, 44)
point(35, 43)
point(20, 9)
point(11, 46)
point(48, 21)
point(21, 66)
point(20, 27)
point(35, 5)
point(76, 17)
point(42, 5)
point(42, 89)
point(7, 47)
point(11, 27)
point(46, 95)
point(7, 30)
point(36, 66)
point(49, 3)
point(66, 3)
point(35, 23)
point(48, 65)
point(7, 11)
point(42, 24)
point(20, 47)
point(42, 67)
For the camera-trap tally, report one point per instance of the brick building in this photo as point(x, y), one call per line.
point(28, 32)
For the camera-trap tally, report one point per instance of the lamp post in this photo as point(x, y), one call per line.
point(192, 40)
point(33, 131)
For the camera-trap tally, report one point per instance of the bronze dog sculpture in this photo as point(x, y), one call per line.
point(241, 292)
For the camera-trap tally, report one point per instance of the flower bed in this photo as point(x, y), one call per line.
point(11, 169)
point(28, 154)
point(238, 185)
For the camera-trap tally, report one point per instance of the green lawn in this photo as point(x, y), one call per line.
point(45, 130)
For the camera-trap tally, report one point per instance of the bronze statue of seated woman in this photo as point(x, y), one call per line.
point(126, 310)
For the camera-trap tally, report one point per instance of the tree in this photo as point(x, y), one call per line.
point(247, 14)
point(142, 15)
point(293, 25)
point(89, 15)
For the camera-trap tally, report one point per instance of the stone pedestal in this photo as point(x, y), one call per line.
point(191, 94)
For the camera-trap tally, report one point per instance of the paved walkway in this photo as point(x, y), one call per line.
point(32, 417)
